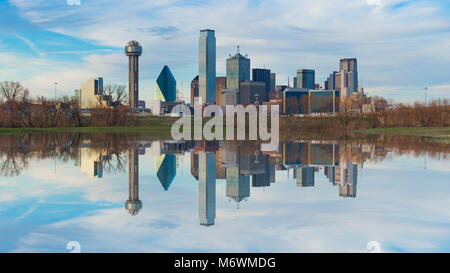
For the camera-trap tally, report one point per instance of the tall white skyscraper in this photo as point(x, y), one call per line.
point(207, 66)
point(207, 188)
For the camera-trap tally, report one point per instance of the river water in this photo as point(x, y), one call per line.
point(124, 193)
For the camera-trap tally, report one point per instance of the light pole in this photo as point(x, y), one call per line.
point(55, 89)
point(425, 88)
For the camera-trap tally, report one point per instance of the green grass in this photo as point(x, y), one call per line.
point(438, 134)
point(157, 130)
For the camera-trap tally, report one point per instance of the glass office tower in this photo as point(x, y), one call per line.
point(166, 85)
point(238, 70)
point(262, 75)
point(207, 188)
point(207, 66)
point(305, 78)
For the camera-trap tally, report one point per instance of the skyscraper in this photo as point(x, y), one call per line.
point(305, 176)
point(166, 166)
point(350, 64)
point(207, 66)
point(347, 78)
point(347, 178)
point(330, 83)
point(238, 186)
point(238, 69)
point(166, 86)
point(305, 78)
point(207, 188)
point(221, 84)
point(273, 81)
point(251, 92)
point(133, 50)
point(194, 88)
point(262, 75)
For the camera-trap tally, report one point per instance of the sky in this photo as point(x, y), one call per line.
point(401, 45)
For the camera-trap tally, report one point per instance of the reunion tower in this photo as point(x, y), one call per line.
point(133, 50)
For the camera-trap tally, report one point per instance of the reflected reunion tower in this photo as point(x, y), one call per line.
point(133, 50)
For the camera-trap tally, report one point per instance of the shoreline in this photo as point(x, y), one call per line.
point(438, 134)
point(157, 130)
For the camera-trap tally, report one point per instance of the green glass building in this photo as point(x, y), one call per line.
point(166, 86)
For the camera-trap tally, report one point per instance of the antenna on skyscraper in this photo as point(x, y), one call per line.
point(238, 51)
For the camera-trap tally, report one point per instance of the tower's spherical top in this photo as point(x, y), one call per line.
point(133, 207)
point(133, 48)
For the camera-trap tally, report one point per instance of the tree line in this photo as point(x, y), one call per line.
point(18, 109)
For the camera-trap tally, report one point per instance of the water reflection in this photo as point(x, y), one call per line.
point(301, 189)
point(133, 204)
point(241, 164)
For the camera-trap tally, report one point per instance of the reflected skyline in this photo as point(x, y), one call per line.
point(155, 183)
point(242, 165)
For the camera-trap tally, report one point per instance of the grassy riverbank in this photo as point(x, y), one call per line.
point(438, 134)
point(151, 130)
point(158, 126)
point(161, 127)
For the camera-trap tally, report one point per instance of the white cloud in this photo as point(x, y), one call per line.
point(374, 2)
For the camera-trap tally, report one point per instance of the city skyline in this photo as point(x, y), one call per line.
point(394, 48)
point(241, 168)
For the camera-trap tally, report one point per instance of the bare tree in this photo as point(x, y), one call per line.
point(110, 110)
point(117, 93)
point(13, 91)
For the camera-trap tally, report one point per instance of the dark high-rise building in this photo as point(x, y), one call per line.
point(133, 50)
point(273, 81)
point(221, 84)
point(305, 177)
point(238, 186)
point(252, 93)
point(262, 75)
point(305, 78)
point(238, 69)
point(330, 83)
point(194, 88)
point(194, 165)
point(266, 177)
